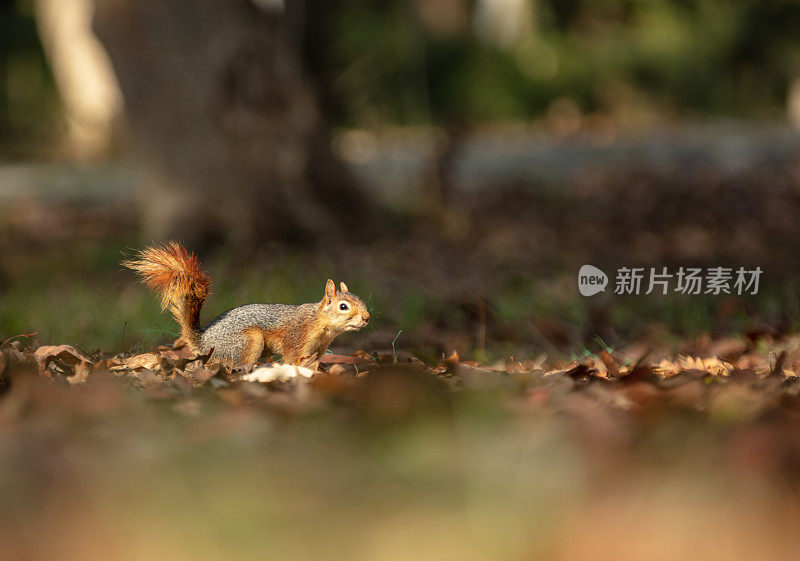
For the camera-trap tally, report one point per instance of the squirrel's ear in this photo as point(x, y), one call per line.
point(330, 289)
point(343, 286)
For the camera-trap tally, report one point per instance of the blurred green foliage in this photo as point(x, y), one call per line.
point(713, 56)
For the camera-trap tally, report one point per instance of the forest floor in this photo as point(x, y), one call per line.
point(381, 456)
point(488, 412)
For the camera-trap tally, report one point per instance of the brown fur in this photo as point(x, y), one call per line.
point(177, 276)
point(274, 339)
point(254, 346)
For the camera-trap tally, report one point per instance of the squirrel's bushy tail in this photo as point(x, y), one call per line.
point(177, 276)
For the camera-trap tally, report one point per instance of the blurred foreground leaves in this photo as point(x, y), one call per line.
point(382, 456)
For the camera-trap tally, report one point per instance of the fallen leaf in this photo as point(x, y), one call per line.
point(342, 359)
point(452, 359)
point(149, 361)
point(609, 363)
point(65, 355)
point(277, 372)
point(82, 371)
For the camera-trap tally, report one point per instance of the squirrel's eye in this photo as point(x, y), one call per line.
point(344, 307)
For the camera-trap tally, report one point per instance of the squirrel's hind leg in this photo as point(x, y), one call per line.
point(253, 347)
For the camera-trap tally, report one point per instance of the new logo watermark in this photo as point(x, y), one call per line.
point(591, 280)
point(685, 280)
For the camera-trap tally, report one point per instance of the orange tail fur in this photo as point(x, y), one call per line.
point(177, 276)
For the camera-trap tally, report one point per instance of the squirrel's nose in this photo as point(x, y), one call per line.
point(365, 317)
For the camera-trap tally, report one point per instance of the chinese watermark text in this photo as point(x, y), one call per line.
point(662, 280)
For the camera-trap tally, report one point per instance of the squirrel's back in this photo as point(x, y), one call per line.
point(265, 316)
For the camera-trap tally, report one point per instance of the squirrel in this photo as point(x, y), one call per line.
point(299, 333)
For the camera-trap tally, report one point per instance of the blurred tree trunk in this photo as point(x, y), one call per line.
point(230, 129)
point(86, 82)
point(793, 101)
